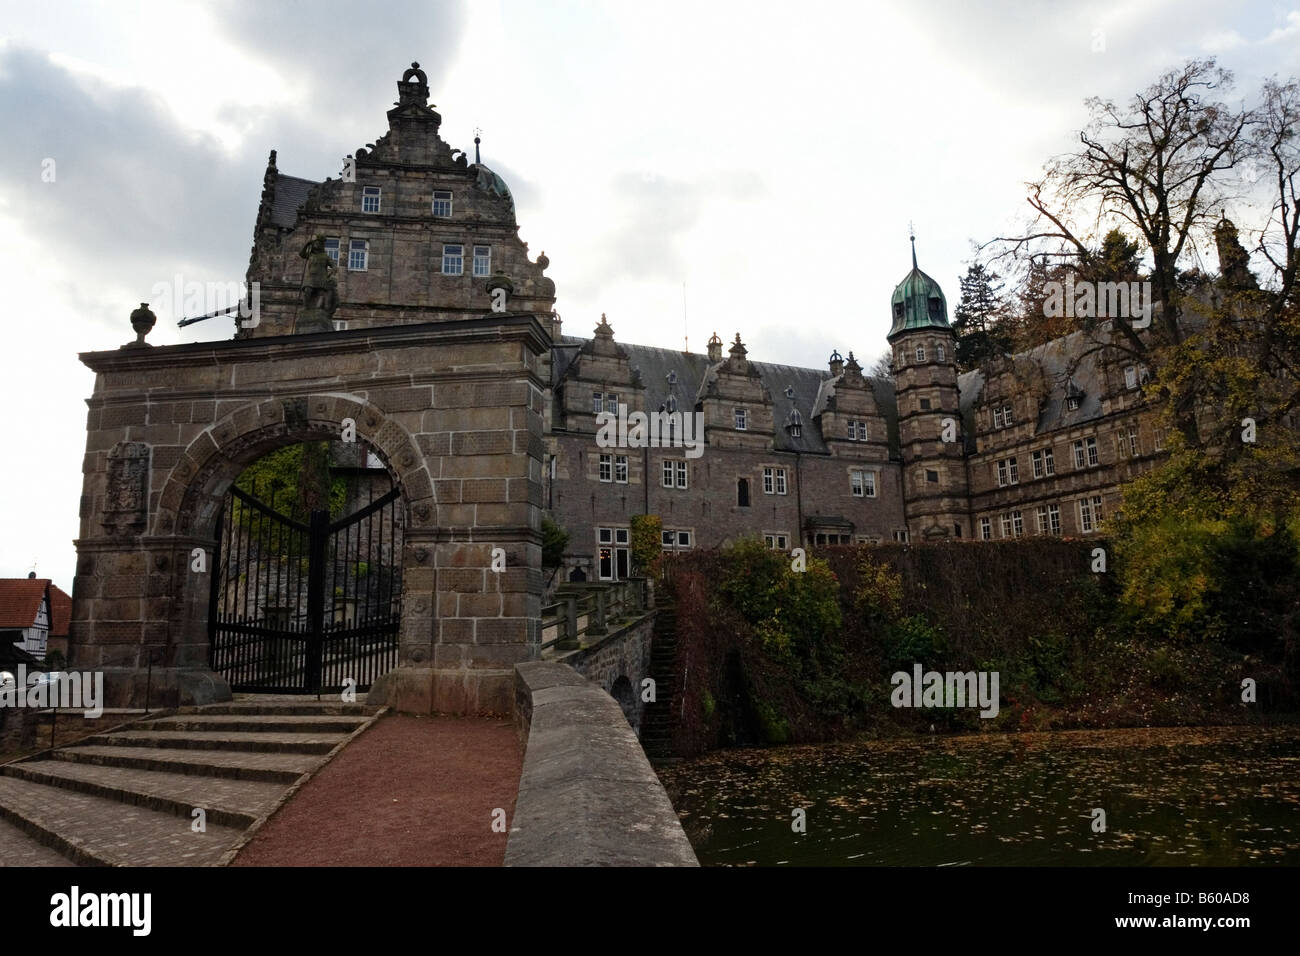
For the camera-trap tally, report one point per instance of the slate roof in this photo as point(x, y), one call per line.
point(290, 193)
point(691, 368)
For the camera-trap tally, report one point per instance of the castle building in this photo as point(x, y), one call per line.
point(1034, 443)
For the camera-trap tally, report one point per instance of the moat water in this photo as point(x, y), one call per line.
point(1220, 796)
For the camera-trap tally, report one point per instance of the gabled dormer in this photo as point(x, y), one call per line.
point(736, 404)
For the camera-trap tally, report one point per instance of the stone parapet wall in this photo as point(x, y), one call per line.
point(587, 795)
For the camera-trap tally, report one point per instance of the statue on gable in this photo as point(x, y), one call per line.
point(320, 296)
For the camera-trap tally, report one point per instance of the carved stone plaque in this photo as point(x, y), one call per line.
point(126, 500)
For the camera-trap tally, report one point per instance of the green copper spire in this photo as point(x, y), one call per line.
point(918, 302)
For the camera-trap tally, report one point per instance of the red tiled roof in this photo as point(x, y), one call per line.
point(60, 611)
point(20, 599)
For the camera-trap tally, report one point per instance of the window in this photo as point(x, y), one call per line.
point(620, 469)
point(1008, 472)
point(597, 402)
point(774, 481)
point(1002, 417)
point(611, 402)
point(674, 473)
point(1090, 513)
point(614, 553)
point(925, 404)
point(742, 419)
point(668, 473)
point(681, 474)
point(767, 482)
point(1144, 374)
point(775, 540)
point(1018, 523)
point(862, 483)
point(998, 420)
point(942, 353)
point(1040, 519)
point(931, 476)
point(920, 353)
point(1085, 452)
point(453, 260)
point(674, 540)
point(986, 529)
point(1054, 518)
point(358, 255)
point(1044, 463)
point(370, 199)
point(442, 203)
point(332, 249)
point(1006, 525)
point(1072, 403)
point(1130, 376)
point(1134, 448)
point(742, 492)
point(857, 430)
point(1006, 414)
point(780, 481)
point(900, 536)
point(606, 467)
point(482, 260)
point(1160, 436)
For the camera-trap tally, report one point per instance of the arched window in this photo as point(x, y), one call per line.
point(742, 492)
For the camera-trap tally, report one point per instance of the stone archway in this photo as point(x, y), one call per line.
point(454, 409)
point(623, 693)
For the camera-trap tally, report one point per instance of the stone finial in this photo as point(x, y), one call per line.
point(143, 321)
point(852, 364)
point(413, 87)
point(604, 330)
point(738, 347)
point(715, 348)
point(837, 362)
point(542, 261)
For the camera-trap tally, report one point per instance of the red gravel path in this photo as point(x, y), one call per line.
point(410, 791)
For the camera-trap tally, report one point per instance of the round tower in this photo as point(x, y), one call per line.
point(935, 489)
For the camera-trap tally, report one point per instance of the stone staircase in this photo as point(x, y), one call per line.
point(127, 797)
point(660, 718)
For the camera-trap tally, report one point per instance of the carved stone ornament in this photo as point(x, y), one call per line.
point(126, 498)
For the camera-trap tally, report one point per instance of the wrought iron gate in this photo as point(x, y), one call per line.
point(303, 608)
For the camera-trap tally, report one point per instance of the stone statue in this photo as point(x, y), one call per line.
point(320, 295)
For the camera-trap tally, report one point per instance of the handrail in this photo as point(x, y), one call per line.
point(598, 603)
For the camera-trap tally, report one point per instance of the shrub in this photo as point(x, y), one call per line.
point(554, 540)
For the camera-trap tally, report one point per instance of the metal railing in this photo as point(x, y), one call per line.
point(588, 610)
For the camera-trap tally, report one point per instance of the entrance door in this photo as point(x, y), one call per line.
point(305, 607)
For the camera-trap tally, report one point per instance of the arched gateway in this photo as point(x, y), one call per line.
point(170, 428)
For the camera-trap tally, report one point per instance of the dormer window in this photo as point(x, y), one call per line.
point(1072, 403)
point(1002, 417)
point(482, 260)
point(795, 423)
point(672, 377)
point(898, 310)
point(936, 308)
point(1130, 376)
point(442, 203)
point(920, 353)
point(742, 419)
point(370, 199)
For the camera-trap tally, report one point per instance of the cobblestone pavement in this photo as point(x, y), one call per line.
point(411, 791)
point(128, 797)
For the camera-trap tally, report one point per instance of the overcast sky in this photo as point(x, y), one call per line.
point(767, 156)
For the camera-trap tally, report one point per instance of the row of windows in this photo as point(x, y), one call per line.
point(1047, 520)
point(372, 201)
point(676, 474)
point(453, 257)
point(940, 353)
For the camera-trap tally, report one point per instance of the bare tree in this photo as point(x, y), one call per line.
point(1155, 164)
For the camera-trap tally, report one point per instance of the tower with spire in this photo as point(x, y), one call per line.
point(935, 486)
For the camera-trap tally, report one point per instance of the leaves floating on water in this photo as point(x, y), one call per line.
point(1173, 796)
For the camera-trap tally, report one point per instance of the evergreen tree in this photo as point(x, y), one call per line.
point(979, 318)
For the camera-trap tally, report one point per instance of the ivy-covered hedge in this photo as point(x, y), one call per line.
point(772, 655)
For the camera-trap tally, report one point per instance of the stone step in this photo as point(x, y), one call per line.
point(302, 707)
point(253, 742)
point(254, 723)
point(19, 848)
point(95, 831)
point(280, 768)
point(236, 803)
